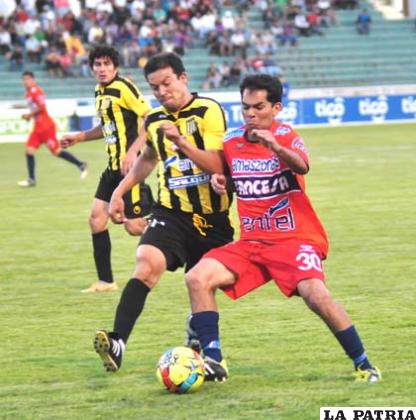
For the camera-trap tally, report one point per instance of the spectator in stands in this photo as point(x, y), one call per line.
point(75, 47)
point(225, 69)
point(46, 17)
point(213, 78)
point(326, 12)
point(30, 26)
point(270, 13)
point(33, 49)
point(225, 46)
point(363, 22)
point(15, 57)
point(5, 41)
point(181, 39)
point(237, 71)
point(314, 20)
point(302, 25)
point(228, 21)
point(270, 66)
point(239, 42)
point(276, 28)
point(288, 34)
point(52, 64)
point(65, 63)
point(207, 23)
point(96, 34)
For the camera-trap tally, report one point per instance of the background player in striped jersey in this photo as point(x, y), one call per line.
point(44, 131)
point(121, 108)
point(281, 238)
point(184, 139)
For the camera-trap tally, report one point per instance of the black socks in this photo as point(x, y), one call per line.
point(130, 307)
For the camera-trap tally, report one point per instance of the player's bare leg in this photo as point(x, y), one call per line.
point(318, 298)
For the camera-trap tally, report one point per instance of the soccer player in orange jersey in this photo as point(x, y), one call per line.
point(282, 238)
point(44, 131)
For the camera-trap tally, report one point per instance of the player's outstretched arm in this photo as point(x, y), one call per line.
point(133, 151)
point(143, 166)
point(94, 133)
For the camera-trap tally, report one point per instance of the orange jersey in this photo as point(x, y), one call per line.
point(271, 199)
point(35, 98)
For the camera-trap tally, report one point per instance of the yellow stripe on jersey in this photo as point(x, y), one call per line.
point(182, 185)
point(121, 108)
point(135, 194)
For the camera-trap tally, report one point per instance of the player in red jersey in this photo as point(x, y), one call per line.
point(44, 131)
point(281, 235)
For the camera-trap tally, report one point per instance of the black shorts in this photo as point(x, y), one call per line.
point(185, 237)
point(138, 202)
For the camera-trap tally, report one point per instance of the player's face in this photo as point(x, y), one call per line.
point(169, 89)
point(258, 112)
point(28, 81)
point(104, 70)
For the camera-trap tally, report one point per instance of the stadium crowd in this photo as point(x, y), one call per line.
point(59, 33)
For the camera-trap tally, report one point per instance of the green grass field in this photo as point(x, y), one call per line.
point(284, 363)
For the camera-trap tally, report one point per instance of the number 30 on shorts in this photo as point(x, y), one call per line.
point(309, 261)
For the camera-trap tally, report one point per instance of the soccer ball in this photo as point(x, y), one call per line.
point(181, 370)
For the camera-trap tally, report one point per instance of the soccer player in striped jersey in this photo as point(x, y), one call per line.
point(184, 140)
point(121, 109)
point(282, 238)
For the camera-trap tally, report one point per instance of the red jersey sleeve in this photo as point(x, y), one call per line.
point(289, 138)
point(38, 97)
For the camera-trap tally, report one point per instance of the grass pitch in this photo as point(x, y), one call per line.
point(284, 364)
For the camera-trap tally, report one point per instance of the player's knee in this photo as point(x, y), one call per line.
point(146, 272)
point(97, 223)
point(197, 279)
point(319, 301)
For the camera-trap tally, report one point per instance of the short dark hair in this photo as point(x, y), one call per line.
point(104, 51)
point(28, 73)
point(163, 61)
point(270, 84)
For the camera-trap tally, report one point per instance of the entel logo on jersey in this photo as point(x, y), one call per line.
point(182, 164)
point(409, 105)
point(376, 109)
point(333, 110)
point(267, 221)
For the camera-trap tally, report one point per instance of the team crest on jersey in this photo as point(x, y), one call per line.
point(234, 133)
point(106, 103)
point(298, 143)
point(191, 126)
point(281, 131)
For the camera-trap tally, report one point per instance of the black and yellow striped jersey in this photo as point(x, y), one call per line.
point(120, 107)
point(182, 185)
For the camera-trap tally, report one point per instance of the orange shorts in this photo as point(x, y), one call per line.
point(256, 263)
point(46, 136)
